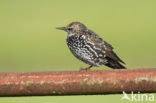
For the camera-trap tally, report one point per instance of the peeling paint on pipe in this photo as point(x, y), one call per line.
point(77, 82)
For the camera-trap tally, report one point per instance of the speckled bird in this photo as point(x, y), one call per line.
point(90, 48)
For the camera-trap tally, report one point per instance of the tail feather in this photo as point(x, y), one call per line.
point(114, 64)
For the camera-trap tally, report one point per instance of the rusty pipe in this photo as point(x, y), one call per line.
point(77, 82)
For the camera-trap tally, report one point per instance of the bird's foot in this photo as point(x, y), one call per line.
point(88, 68)
point(84, 69)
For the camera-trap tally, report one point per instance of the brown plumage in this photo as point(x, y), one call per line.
point(87, 46)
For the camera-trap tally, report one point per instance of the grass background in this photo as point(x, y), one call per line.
point(30, 42)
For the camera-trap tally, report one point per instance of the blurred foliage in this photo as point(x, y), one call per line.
point(115, 98)
point(30, 42)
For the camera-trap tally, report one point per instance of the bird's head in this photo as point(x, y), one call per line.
point(74, 27)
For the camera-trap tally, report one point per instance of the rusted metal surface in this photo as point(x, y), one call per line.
point(77, 82)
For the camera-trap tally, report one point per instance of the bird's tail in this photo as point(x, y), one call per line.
point(115, 65)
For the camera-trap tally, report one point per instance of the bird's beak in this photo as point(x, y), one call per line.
point(61, 28)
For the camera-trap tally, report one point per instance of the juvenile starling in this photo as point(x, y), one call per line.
point(87, 46)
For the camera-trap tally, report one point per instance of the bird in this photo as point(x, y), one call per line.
point(90, 48)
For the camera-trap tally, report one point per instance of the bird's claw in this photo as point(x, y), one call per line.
point(84, 69)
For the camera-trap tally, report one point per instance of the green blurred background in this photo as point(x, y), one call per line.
point(30, 42)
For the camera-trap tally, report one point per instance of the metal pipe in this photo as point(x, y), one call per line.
point(77, 82)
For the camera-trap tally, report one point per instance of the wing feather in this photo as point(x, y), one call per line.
point(103, 45)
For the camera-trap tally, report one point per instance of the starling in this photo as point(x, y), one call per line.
point(90, 48)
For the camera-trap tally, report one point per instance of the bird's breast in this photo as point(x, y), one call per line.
point(82, 49)
point(75, 42)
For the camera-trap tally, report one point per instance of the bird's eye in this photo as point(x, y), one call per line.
point(70, 29)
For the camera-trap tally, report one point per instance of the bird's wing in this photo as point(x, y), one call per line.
point(103, 45)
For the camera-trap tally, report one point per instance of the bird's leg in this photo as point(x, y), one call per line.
point(86, 68)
